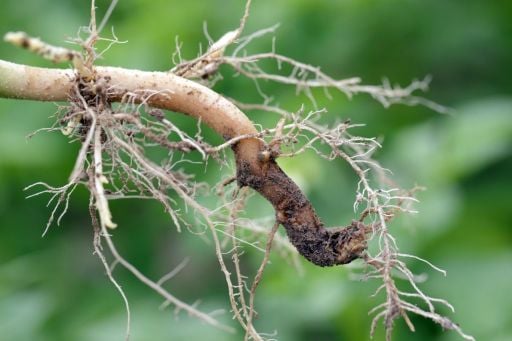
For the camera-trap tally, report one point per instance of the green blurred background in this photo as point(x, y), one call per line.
point(54, 288)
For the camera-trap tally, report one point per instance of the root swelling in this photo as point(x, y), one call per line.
point(321, 246)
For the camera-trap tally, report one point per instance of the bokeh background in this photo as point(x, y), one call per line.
point(54, 288)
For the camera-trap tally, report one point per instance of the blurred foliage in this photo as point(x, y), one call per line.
point(54, 288)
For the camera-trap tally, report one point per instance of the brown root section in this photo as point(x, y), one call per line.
point(321, 246)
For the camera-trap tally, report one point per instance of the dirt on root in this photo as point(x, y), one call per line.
point(321, 246)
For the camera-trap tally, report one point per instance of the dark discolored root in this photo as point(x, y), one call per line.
point(321, 246)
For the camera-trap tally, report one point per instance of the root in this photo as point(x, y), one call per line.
point(113, 164)
point(108, 270)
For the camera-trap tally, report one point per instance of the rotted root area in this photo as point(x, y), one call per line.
point(319, 245)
